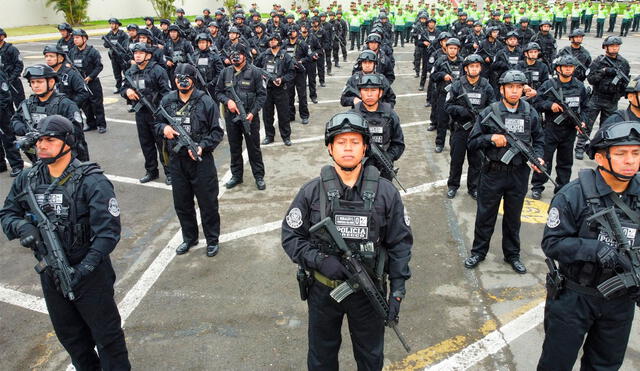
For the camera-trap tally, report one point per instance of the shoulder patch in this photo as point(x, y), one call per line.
point(114, 208)
point(294, 218)
point(77, 116)
point(407, 218)
point(4, 86)
point(553, 220)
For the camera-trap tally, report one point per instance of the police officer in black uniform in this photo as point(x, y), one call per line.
point(259, 41)
point(499, 180)
point(199, 115)
point(345, 192)
point(151, 80)
point(46, 101)
point(425, 36)
point(247, 83)
point(536, 71)
point(506, 59)
point(66, 39)
point(11, 64)
point(298, 50)
point(155, 31)
point(525, 34)
point(116, 36)
point(579, 52)
point(547, 42)
point(70, 81)
point(277, 62)
point(385, 63)
point(588, 255)
point(351, 94)
point(157, 53)
point(7, 137)
point(471, 92)
point(176, 49)
point(445, 71)
point(311, 64)
point(208, 63)
point(608, 86)
point(88, 61)
point(321, 34)
point(559, 134)
point(384, 123)
point(79, 200)
point(632, 112)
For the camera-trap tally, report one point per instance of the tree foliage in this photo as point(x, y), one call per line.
point(75, 11)
point(163, 8)
point(229, 4)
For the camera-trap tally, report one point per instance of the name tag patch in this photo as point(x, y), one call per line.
point(514, 125)
point(475, 98)
point(352, 226)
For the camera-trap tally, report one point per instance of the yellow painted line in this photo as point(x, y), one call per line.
point(430, 355)
point(533, 211)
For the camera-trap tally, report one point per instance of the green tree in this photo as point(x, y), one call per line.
point(163, 8)
point(229, 4)
point(75, 11)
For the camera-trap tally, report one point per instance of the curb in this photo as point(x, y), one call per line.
point(99, 32)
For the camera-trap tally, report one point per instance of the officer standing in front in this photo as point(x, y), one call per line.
point(559, 129)
point(279, 64)
point(11, 64)
point(471, 92)
point(499, 180)
point(588, 255)
point(350, 191)
point(198, 114)
point(151, 80)
point(62, 183)
point(89, 62)
point(606, 76)
point(245, 81)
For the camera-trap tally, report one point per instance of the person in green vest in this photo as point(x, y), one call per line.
point(409, 20)
point(589, 10)
point(627, 19)
point(636, 16)
point(576, 12)
point(366, 22)
point(613, 14)
point(601, 15)
point(398, 22)
point(535, 18)
point(355, 24)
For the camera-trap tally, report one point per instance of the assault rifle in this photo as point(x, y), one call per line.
point(383, 160)
point(516, 146)
point(183, 140)
point(326, 231)
point(123, 54)
point(619, 74)
point(472, 109)
point(629, 277)
point(50, 249)
point(567, 112)
point(73, 67)
point(240, 118)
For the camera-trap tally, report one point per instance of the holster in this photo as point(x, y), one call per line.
point(304, 283)
point(555, 280)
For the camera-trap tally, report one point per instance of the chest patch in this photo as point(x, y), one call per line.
point(352, 226)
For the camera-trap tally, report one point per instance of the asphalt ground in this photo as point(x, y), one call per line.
point(240, 310)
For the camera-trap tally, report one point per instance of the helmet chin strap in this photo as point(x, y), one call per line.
point(620, 177)
point(42, 95)
point(51, 160)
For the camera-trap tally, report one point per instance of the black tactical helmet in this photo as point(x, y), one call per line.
point(115, 21)
point(490, 29)
point(545, 21)
point(305, 11)
point(368, 55)
point(140, 47)
point(443, 36)
point(148, 18)
point(565, 60)
point(132, 26)
point(331, 14)
point(611, 40)
point(472, 58)
point(39, 71)
point(453, 41)
point(65, 26)
point(383, 15)
point(315, 19)
point(261, 25)
point(372, 80)
point(617, 134)
point(53, 48)
point(239, 49)
point(512, 34)
point(524, 20)
point(374, 37)
point(174, 27)
point(348, 122)
point(506, 16)
point(532, 46)
point(57, 126)
point(202, 36)
point(165, 21)
point(180, 10)
point(292, 29)
point(213, 24)
point(144, 32)
point(290, 16)
point(423, 15)
point(239, 15)
point(233, 29)
point(513, 77)
point(276, 36)
point(633, 86)
point(323, 14)
point(576, 32)
point(199, 18)
point(187, 70)
point(80, 32)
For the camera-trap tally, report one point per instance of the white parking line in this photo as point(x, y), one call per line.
point(20, 299)
point(493, 342)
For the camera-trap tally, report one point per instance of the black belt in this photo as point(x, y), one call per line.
point(572, 285)
point(496, 166)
